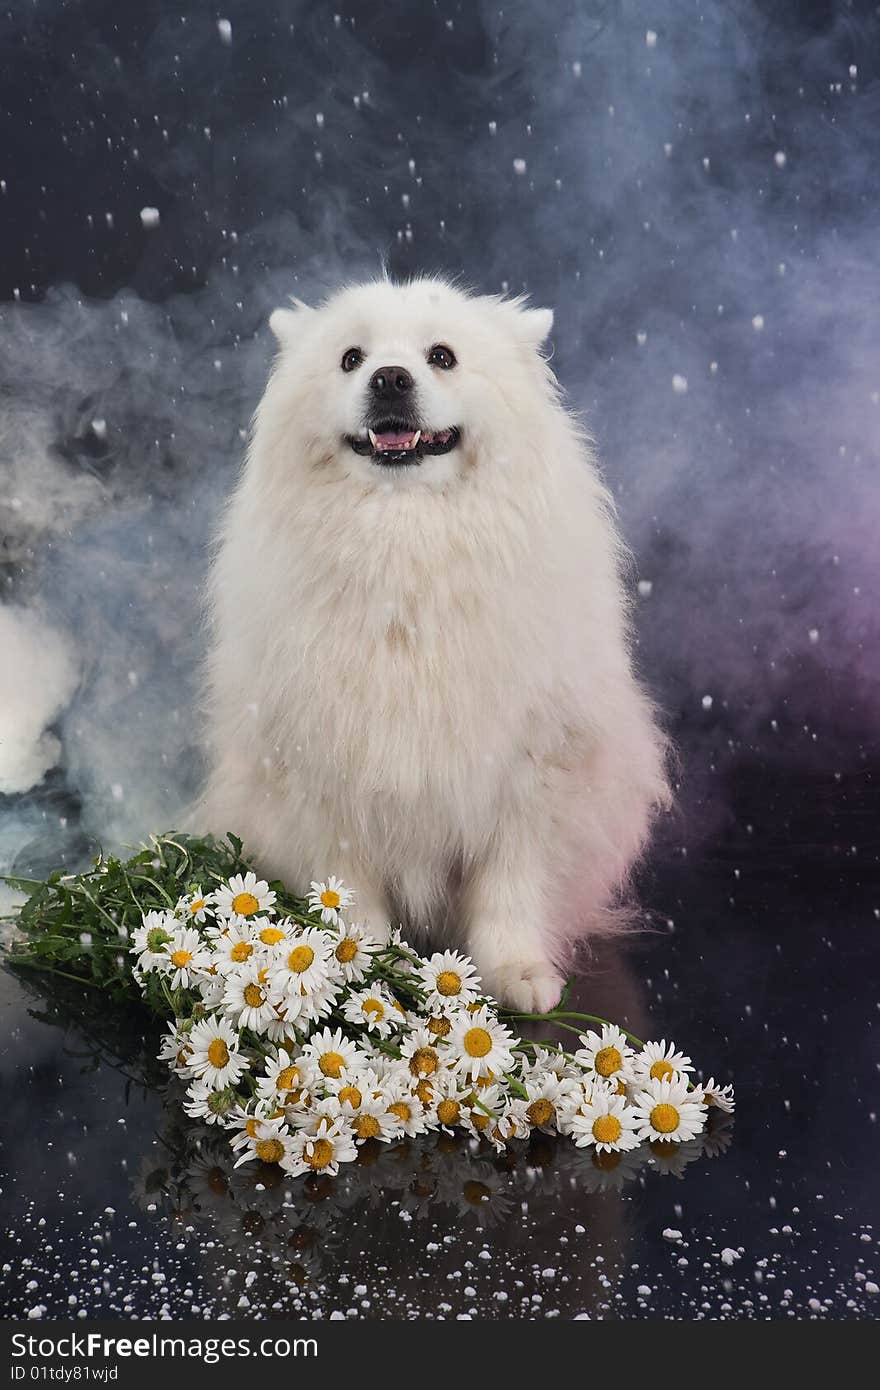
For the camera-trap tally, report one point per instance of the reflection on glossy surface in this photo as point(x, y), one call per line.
point(758, 960)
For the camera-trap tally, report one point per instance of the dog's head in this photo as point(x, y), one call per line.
point(405, 383)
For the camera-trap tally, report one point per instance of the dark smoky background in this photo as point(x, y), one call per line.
point(692, 187)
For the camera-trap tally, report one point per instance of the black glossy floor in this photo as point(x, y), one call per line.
point(762, 966)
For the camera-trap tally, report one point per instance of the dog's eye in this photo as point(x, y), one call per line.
point(441, 356)
point(352, 359)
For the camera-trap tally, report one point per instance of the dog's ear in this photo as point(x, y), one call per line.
point(535, 326)
point(287, 324)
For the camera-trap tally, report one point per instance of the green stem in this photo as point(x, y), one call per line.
point(557, 1015)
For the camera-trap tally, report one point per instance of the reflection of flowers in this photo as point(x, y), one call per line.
point(454, 1179)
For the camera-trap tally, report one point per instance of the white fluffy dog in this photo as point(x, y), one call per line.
point(420, 676)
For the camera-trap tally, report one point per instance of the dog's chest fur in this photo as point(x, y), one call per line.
point(401, 678)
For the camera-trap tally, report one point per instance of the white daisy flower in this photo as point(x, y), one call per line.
point(243, 896)
point(211, 987)
point(321, 1152)
point(215, 1054)
point(667, 1111)
point(353, 949)
point(721, 1097)
point(185, 958)
point(281, 1028)
point(372, 1009)
point(195, 906)
point(448, 977)
point(541, 1060)
point(409, 1111)
point(424, 1055)
point(268, 1140)
point(606, 1122)
point(330, 899)
point(234, 945)
point(483, 1108)
point(319, 1003)
point(306, 966)
point(333, 1053)
point(365, 1106)
point(550, 1096)
point(175, 1050)
point(606, 1054)
point(350, 1091)
point(274, 935)
point(151, 937)
point(204, 1103)
point(247, 1001)
point(242, 1121)
point(659, 1061)
point(480, 1044)
point(512, 1123)
point(446, 1107)
point(285, 1081)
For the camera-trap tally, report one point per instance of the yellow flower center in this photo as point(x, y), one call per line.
point(439, 1026)
point(541, 1111)
point(180, 958)
point(606, 1129)
point(661, 1069)
point(477, 1042)
point(300, 959)
point(218, 1053)
point(253, 996)
point(352, 1095)
point(288, 1079)
point(329, 898)
point(197, 906)
point(373, 1008)
point(250, 1127)
point(621, 1088)
point(608, 1061)
point(270, 936)
point(400, 1109)
point(321, 1155)
point(448, 1112)
point(425, 1092)
point(367, 1127)
point(665, 1119)
point(245, 904)
point(269, 1150)
point(346, 950)
point(331, 1063)
point(448, 982)
point(424, 1062)
point(479, 1119)
point(242, 950)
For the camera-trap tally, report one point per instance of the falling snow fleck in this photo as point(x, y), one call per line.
point(224, 29)
point(707, 702)
point(519, 166)
point(679, 384)
point(150, 217)
point(651, 38)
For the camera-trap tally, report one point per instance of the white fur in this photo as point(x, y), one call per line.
point(420, 680)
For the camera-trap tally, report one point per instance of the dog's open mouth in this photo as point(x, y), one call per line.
point(394, 443)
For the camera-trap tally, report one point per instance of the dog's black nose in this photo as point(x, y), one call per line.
point(391, 383)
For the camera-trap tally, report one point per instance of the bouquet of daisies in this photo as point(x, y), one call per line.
point(304, 1037)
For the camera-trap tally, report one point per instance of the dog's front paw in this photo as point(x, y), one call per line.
point(532, 987)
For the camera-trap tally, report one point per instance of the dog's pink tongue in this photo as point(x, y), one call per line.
point(396, 439)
